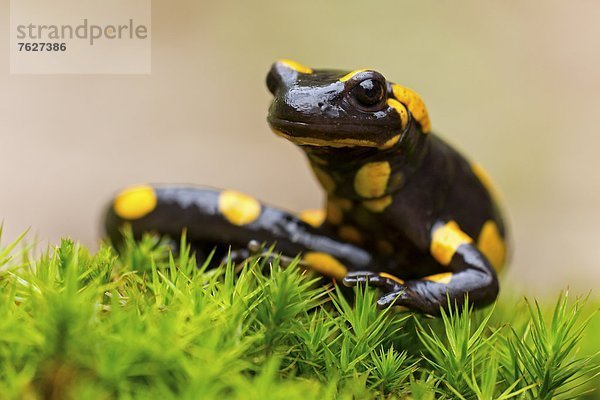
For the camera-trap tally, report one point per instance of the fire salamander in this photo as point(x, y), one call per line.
point(404, 211)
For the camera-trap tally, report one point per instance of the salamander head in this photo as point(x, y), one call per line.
point(332, 108)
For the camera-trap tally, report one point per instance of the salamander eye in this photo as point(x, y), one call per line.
point(369, 92)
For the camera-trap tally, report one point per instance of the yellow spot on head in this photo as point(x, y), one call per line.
point(324, 179)
point(444, 277)
point(336, 143)
point(350, 234)
point(390, 143)
point(238, 208)
point(350, 74)
point(378, 205)
point(491, 244)
point(135, 202)
point(325, 264)
point(372, 178)
point(415, 105)
point(314, 218)
point(401, 110)
point(392, 277)
point(445, 240)
point(296, 66)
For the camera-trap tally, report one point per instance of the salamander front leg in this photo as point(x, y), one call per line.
point(468, 272)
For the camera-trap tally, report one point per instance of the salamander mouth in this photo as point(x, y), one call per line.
point(334, 134)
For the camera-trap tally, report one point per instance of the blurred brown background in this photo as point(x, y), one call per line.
point(513, 84)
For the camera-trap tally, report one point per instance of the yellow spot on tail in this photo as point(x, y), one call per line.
point(296, 66)
point(372, 178)
point(349, 75)
point(444, 277)
point(325, 264)
point(324, 179)
point(350, 234)
point(135, 202)
point(378, 205)
point(314, 218)
point(392, 277)
point(238, 208)
point(415, 105)
point(445, 240)
point(401, 110)
point(492, 245)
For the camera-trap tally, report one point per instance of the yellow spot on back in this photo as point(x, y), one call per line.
point(485, 179)
point(135, 202)
point(238, 208)
point(314, 218)
point(349, 75)
point(296, 66)
point(325, 264)
point(378, 205)
point(324, 179)
point(492, 245)
point(445, 240)
point(372, 178)
point(350, 234)
point(392, 277)
point(444, 277)
point(400, 109)
point(415, 105)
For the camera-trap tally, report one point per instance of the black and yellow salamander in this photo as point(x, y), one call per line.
point(404, 211)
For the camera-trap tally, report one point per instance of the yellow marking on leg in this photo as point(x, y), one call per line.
point(314, 218)
point(296, 66)
point(135, 202)
point(401, 110)
point(238, 208)
point(351, 74)
point(492, 245)
point(415, 105)
point(378, 205)
point(324, 179)
point(325, 264)
point(444, 277)
point(445, 240)
point(372, 178)
point(350, 234)
point(334, 213)
point(384, 247)
point(392, 277)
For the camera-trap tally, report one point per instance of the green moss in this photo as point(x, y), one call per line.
point(147, 324)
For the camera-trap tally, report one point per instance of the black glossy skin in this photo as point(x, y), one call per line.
point(429, 185)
